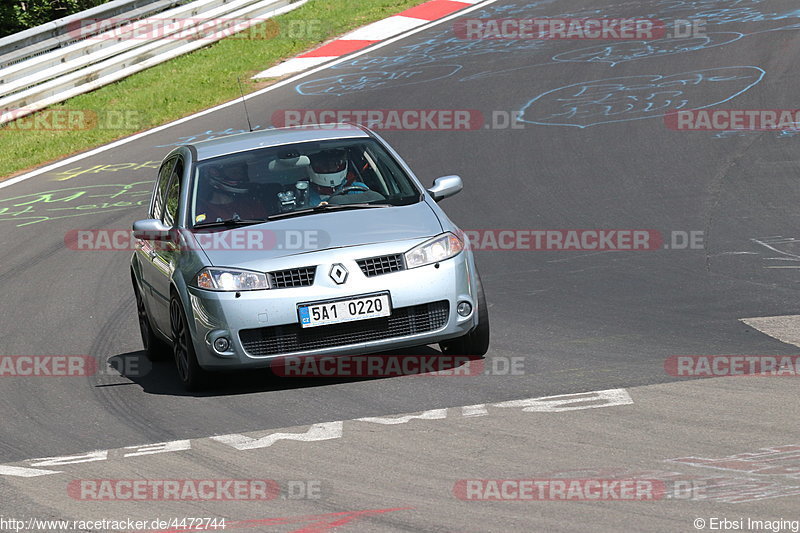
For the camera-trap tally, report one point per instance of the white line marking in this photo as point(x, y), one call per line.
point(785, 328)
point(474, 410)
point(98, 455)
point(326, 431)
point(295, 64)
point(433, 414)
point(160, 447)
point(383, 29)
point(571, 402)
point(265, 90)
point(18, 471)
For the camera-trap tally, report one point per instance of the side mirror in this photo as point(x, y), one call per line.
point(445, 187)
point(151, 229)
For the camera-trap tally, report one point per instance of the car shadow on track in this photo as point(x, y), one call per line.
point(160, 377)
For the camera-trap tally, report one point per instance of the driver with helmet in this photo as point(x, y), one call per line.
point(229, 195)
point(330, 172)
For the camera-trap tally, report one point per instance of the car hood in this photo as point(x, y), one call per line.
point(310, 233)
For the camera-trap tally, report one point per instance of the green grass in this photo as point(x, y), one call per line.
point(190, 83)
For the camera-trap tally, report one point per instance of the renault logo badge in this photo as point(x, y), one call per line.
point(338, 273)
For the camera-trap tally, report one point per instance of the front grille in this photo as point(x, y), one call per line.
point(295, 277)
point(375, 266)
point(292, 338)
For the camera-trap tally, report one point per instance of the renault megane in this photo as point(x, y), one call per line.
point(300, 241)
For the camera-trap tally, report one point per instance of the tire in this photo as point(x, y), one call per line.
point(191, 374)
point(154, 348)
point(476, 342)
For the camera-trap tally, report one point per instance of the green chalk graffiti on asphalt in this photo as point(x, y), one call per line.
point(57, 204)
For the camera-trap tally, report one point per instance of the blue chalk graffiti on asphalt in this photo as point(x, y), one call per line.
point(368, 72)
point(637, 97)
point(789, 132)
point(711, 11)
point(620, 52)
point(441, 47)
point(788, 27)
point(208, 135)
point(370, 80)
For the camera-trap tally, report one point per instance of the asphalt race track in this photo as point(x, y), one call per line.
point(585, 154)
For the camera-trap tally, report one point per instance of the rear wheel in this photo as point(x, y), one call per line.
point(191, 374)
point(154, 348)
point(476, 342)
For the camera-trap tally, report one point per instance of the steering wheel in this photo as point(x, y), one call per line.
point(350, 188)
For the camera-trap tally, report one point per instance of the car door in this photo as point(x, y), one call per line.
point(164, 256)
point(150, 273)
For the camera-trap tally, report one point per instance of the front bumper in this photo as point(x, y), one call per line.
point(228, 314)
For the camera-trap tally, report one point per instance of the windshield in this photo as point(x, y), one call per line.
point(295, 178)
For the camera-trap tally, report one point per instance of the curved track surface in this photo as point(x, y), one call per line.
point(598, 158)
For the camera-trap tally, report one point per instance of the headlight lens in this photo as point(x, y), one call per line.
point(437, 249)
point(228, 279)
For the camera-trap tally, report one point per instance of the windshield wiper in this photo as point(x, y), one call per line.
point(230, 222)
point(324, 207)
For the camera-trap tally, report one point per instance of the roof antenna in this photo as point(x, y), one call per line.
point(244, 103)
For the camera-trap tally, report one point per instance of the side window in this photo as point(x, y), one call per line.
point(164, 174)
point(173, 196)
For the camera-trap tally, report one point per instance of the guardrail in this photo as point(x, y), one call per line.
point(97, 58)
point(50, 36)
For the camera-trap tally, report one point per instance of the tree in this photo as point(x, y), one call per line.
point(9, 23)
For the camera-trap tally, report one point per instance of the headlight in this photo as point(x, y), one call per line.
point(437, 249)
point(228, 279)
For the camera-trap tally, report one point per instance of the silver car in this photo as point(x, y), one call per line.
point(300, 241)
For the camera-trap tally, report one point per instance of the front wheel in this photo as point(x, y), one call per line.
point(476, 342)
point(190, 372)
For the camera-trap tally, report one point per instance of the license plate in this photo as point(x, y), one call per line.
point(337, 311)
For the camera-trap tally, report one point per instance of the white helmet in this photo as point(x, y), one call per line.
point(328, 168)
